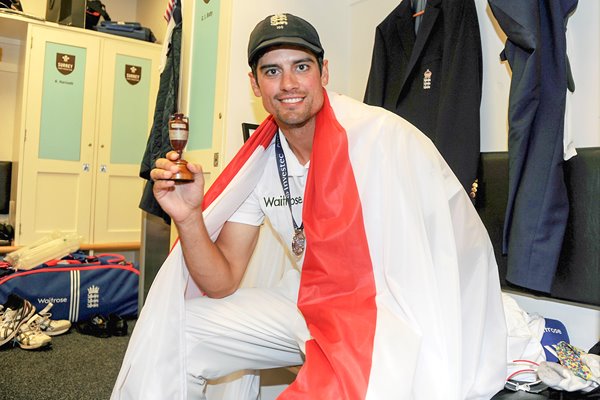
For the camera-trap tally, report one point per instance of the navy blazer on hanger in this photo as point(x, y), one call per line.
point(537, 208)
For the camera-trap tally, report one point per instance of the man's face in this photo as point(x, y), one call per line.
point(291, 85)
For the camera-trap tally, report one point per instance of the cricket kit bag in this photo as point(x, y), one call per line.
point(79, 286)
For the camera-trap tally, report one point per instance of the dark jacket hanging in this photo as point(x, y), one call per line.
point(166, 104)
point(434, 78)
point(537, 208)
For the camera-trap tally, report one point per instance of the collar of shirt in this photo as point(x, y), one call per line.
point(293, 165)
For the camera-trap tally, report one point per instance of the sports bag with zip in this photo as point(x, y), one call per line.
point(79, 286)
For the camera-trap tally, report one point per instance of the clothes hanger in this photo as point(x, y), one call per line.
point(418, 4)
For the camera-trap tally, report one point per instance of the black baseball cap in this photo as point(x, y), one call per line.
point(281, 29)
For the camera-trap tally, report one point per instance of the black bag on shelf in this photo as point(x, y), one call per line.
point(128, 29)
point(93, 11)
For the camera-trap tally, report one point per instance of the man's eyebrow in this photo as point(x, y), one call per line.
point(304, 60)
point(299, 61)
point(268, 66)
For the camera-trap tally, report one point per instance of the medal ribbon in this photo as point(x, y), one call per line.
point(283, 177)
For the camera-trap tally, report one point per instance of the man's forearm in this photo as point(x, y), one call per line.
point(208, 266)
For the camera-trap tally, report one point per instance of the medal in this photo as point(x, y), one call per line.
point(298, 242)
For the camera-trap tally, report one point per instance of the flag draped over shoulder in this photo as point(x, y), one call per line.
point(399, 285)
point(337, 289)
point(154, 366)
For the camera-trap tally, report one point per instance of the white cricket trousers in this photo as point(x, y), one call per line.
point(253, 329)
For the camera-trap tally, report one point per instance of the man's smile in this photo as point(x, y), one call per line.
point(291, 100)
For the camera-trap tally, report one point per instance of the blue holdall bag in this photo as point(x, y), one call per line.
point(78, 286)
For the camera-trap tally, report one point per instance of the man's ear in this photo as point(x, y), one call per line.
point(254, 84)
point(325, 73)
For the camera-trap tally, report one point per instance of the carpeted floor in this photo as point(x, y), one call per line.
point(74, 367)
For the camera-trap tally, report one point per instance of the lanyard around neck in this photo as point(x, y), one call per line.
point(283, 177)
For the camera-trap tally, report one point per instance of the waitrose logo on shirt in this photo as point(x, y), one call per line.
point(281, 201)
